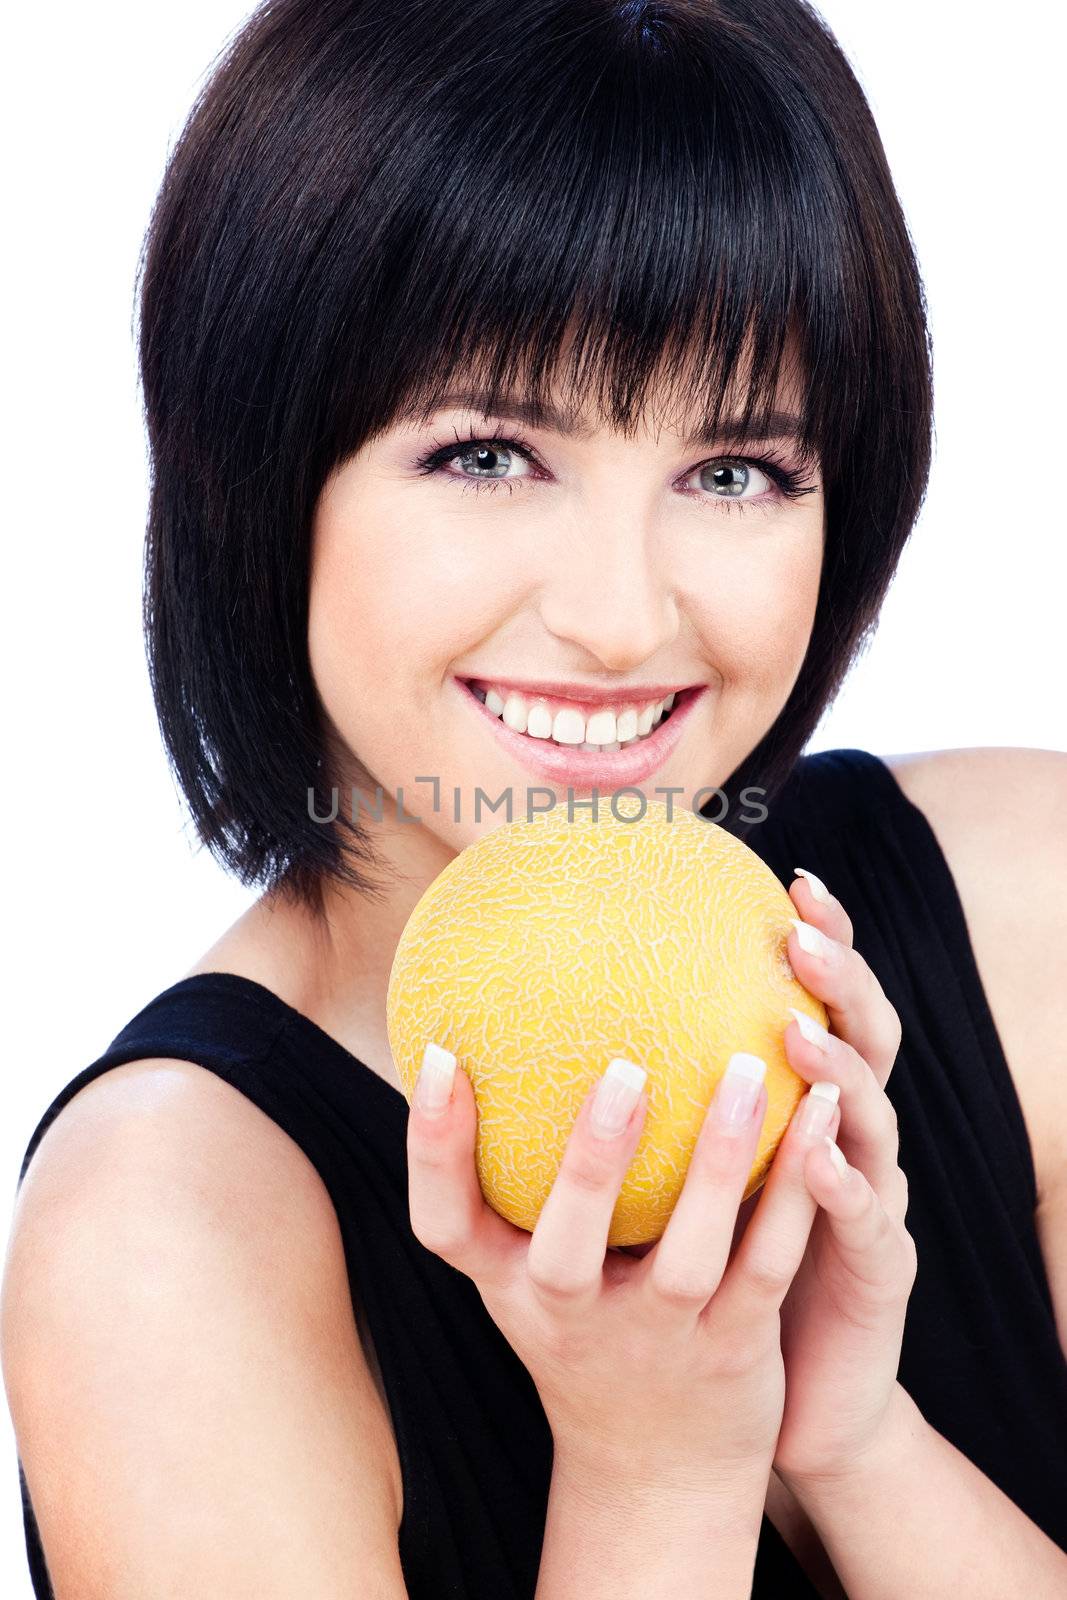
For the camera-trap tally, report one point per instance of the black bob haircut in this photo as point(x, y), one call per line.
point(368, 199)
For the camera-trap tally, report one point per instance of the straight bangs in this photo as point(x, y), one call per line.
point(670, 217)
point(601, 205)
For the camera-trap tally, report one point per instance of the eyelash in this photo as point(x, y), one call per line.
point(788, 482)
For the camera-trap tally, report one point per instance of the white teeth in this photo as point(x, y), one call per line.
point(539, 723)
point(568, 727)
point(601, 727)
point(514, 713)
point(606, 729)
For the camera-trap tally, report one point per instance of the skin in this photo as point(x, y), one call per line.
point(614, 558)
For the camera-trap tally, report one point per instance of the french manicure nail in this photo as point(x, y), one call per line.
point(433, 1086)
point(812, 1031)
point(738, 1090)
point(817, 1111)
point(617, 1093)
point(816, 885)
point(814, 942)
point(836, 1157)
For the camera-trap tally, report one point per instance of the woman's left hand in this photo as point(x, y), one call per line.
point(843, 1318)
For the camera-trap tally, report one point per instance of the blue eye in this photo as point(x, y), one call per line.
point(727, 477)
point(736, 486)
point(490, 461)
point(490, 458)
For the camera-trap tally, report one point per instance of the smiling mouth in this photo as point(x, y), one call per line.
point(575, 760)
point(564, 725)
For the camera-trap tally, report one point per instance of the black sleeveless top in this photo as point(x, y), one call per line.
point(980, 1352)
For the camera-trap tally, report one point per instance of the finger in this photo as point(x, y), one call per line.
point(776, 1238)
point(877, 1253)
point(818, 906)
point(688, 1260)
point(869, 1132)
point(449, 1213)
point(567, 1249)
point(859, 1009)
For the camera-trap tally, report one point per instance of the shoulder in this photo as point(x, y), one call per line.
point(1000, 817)
point(1006, 786)
point(165, 1148)
point(169, 1129)
point(157, 1156)
point(177, 1256)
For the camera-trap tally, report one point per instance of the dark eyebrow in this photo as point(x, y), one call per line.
point(778, 425)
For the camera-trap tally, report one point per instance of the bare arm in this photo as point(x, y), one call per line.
point(919, 1518)
point(608, 1542)
point(192, 1405)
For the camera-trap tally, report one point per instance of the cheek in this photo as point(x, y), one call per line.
point(375, 608)
point(757, 619)
point(387, 581)
point(364, 585)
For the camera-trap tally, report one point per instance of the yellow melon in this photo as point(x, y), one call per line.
point(549, 946)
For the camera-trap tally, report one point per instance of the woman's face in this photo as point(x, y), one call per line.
point(606, 568)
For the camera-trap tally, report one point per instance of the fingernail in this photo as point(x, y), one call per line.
point(816, 885)
point(814, 942)
point(813, 1031)
point(817, 1111)
point(617, 1093)
point(433, 1086)
point(738, 1090)
point(836, 1157)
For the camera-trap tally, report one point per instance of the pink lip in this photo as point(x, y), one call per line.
point(587, 769)
point(582, 694)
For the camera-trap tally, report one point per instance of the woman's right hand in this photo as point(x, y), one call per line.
point(660, 1371)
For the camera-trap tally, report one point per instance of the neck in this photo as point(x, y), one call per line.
point(333, 964)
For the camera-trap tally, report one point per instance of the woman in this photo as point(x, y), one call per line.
point(567, 364)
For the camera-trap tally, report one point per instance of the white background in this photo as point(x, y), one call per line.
point(107, 900)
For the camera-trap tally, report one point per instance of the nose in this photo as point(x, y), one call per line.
point(609, 592)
